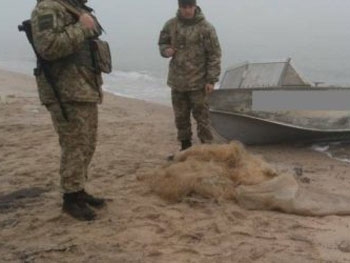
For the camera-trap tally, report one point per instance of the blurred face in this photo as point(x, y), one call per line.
point(188, 11)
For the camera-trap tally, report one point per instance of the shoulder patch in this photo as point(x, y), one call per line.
point(46, 22)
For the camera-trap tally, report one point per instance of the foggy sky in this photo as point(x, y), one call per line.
point(313, 32)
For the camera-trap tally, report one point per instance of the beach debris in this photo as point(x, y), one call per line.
point(298, 171)
point(9, 223)
point(3, 100)
point(344, 246)
point(19, 198)
point(32, 254)
point(229, 172)
point(305, 180)
point(31, 108)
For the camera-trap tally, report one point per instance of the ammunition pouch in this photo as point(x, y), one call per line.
point(101, 56)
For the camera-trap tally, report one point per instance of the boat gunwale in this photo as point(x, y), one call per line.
point(325, 131)
point(287, 88)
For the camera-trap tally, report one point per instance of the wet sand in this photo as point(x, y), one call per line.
point(137, 226)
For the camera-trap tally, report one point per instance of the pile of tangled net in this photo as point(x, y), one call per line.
point(228, 171)
point(212, 171)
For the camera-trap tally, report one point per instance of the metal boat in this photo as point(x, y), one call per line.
point(270, 102)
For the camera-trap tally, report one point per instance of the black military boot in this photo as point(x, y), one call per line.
point(77, 208)
point(91, 200)
point(185, 144)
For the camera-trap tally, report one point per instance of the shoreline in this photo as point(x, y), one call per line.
point(134, 138)
point(163, 99)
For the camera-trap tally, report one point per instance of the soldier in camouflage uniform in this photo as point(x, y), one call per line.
point(62, 40)
point(192, 44)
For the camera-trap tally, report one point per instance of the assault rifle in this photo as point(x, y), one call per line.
point(26, 27)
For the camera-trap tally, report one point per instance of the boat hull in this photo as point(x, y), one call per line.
point(252, 130)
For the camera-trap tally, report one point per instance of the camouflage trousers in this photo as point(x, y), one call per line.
point(185, 103)
point(77, 138)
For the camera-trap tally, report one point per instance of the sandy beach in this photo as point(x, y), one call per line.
point(137, 226)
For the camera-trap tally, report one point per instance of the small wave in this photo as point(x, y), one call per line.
point(320, 148)
point(339, 151)
point(139, 85)
point(133, 75)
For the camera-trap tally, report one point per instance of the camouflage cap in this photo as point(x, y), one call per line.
point(187, 2)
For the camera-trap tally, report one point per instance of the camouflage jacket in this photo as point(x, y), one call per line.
point(197, 59)
point(62, 41)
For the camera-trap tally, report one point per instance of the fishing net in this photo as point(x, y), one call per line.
point(229, 172)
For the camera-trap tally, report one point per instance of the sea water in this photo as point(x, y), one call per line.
point(141, 85)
